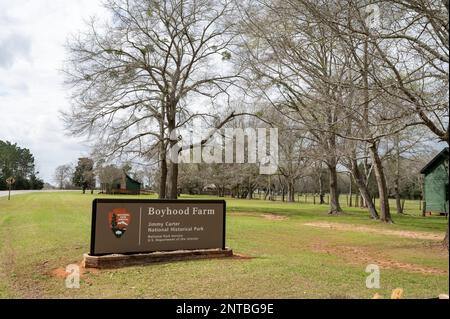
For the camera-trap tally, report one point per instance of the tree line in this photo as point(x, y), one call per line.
point(353, 86)
point(88, 175)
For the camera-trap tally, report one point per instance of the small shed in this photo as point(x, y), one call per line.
point(435, 184)
point(126, 185)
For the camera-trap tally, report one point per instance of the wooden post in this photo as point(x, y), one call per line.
point(9, 182)
point(314, 199)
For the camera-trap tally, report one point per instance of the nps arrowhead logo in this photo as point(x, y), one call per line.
point(119, 220)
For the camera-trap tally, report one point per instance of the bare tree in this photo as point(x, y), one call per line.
point(295, 63)
point(408, 44)
point(293, 159)
point(62, 175)
point(108, 175)
point(136, 78)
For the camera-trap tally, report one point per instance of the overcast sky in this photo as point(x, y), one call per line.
point(32, 37)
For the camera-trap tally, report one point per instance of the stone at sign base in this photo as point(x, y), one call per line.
point(115, 261)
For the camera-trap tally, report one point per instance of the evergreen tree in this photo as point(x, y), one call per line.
point(84, 175)
point(18, 162)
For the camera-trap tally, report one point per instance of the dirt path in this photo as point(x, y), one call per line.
point(269, 216)
point(367, 229)
point(20, 192)
point(359, 255)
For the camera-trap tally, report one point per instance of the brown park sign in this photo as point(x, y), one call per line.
point(121, 226)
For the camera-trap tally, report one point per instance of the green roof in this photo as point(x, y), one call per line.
point(438, 159)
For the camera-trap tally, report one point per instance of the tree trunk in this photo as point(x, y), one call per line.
point(250, 193)
point(321, 193)
point(162, 156)
point(363, 189)
point(362, 201)
point(398, 202)
point(163, 178)
point(269, 187)
point(335, 207)
point(172, 187)
point(291, 191)
point(350, 193)
point(385, 214)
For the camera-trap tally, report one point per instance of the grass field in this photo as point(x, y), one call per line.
point(288, 250)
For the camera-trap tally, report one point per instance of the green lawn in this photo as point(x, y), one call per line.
point(42, 233)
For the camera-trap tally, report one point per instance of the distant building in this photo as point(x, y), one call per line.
point(435, 183)
point(122, 185)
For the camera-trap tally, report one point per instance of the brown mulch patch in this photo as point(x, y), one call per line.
point(62, 274)
point(269, 216)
